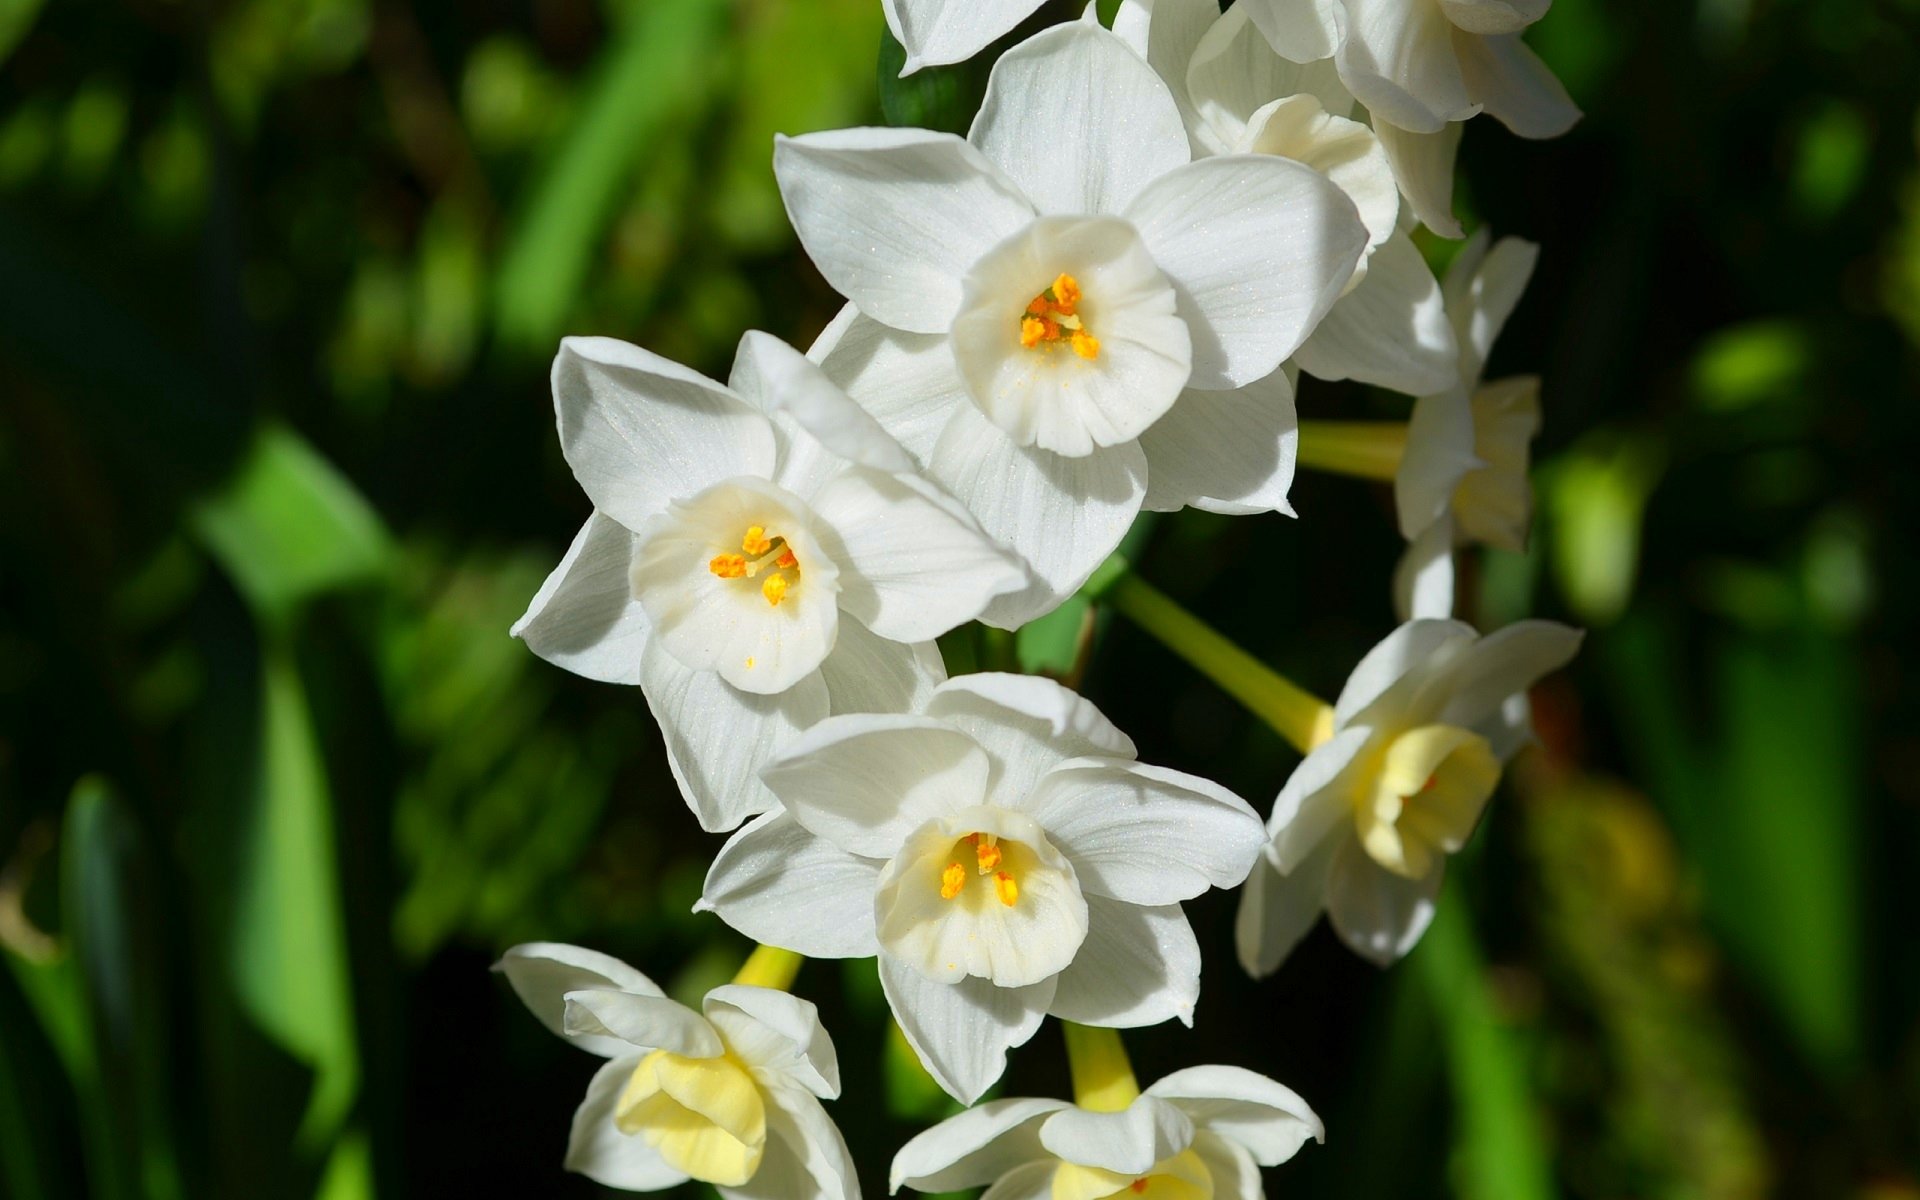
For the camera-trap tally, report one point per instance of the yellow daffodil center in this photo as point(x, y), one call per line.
point(1426, 797)
point(1053, 317)
point(1182, 1177)
point(987, 859)
point(705, 1116)
point(767, 559)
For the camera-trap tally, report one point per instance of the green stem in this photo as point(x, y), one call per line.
point(770, 967)
point(1102, 1077)
point(1367, 449)
point(1295, 714)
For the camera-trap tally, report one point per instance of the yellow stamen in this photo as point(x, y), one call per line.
point(952, 880)
point(728, 566)
point(774, 588)
point(786, 560)
point(1085, 344)
point(1032, 330)
point(1005, 888)
point(1053, 317)
point(987, 855)
point(1066, 293)
point(756, 542)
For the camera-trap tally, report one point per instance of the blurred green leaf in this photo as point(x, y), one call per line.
point(942, 98)
point(289, 526)
point(654, 76)
point(1596, 498)
point(1747, 364)
point(16, 18)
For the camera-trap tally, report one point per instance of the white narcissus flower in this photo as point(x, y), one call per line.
point(936, 32)
point(1003, 854)
point(1421, 67)
point(760, 554)
point(1198, 1133)
point(729, 1095)
point(1037, 304)
point(1241, 97)
point(1463, 475)
point(1364, 825)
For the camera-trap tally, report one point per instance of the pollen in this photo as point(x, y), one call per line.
point(763, 557)
point(1053, 317)
point(774, 588)
point(988, 855)
point(952, 880)
point(728, 566)
point(756, 542)
point(1005, 888)
point(1138, 1185)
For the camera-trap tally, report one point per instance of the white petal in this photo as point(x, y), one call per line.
point(1127, 1142)
point(728, 625)
point(1399, 61)
point(975, 1147)
point(1379, 914)
point(789, 382)
point(868, 673)
point(895, 217)
point(1301, 30)
point(864, 781)
point(962, 1031)
point(1439, 455)
point(542, 973)
point(1258, 249)
point(1270, 1120)
point(1423, 581)
point(1082, 78)
point(639, 430)
point(782, 886)
point(1277, 911)
point(908, 381)
point(1301, 128)
point(1228, 451)
point(1062, 515)
point(773, 1031)
point(1138, 966)
point(806, 1158)
point(718, 737)
point(1234, 73)
point(1028, 724)
point(1030, 1181)
point(1503, 664)
point(1235, 1175)
point(1390, 331)
point(913, 564)
point(1146, 835)
point(1423, 166)
point(1165, 33)
point(1509, 81)
point(1406, 648)
point(1494, 16)
point(584, 617)
point(948, 31)
point(597, 1149)
point(1482, 293)
point(643, 1022)
point(1314, 799)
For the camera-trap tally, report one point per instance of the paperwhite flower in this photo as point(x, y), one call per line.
point(1201, 1132)
point(935, 32)
point(1421, 67)
point(729, 1095)
point(1364, 824)
point(1034, 300)
point(1003, 854)
point(1240, 96)
point(756, 552)
point(1463, 475)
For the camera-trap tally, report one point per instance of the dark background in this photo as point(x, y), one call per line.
point(279, 283)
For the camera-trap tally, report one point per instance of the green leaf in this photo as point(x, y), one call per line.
point(940, 98)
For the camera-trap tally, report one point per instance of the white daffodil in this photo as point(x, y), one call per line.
point(760, 554)
point(1421, 67)
point(1414, 750)
point(1239, 96)
point(1198, 1133)
point(1037, 305)
point(729, 1095)
point(1003, 854)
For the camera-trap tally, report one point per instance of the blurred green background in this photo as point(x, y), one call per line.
point(279, 283)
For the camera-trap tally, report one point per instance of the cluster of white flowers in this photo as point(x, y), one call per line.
point(1099, 301)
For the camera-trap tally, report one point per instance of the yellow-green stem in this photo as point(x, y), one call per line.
point(1102, 1077)
point(769, 967)
point(1295, 714)
point(1367, 449)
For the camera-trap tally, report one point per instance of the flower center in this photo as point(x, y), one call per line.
point(1183, 1177)
point(987, 857)
point(1432, 783)
point(1053, 317)
point(705, 1116)
point(767, 559)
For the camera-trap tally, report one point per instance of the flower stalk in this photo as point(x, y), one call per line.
point(1102, 1075)
point(1294, 713)
point(1363, 449)
point(769, 967)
